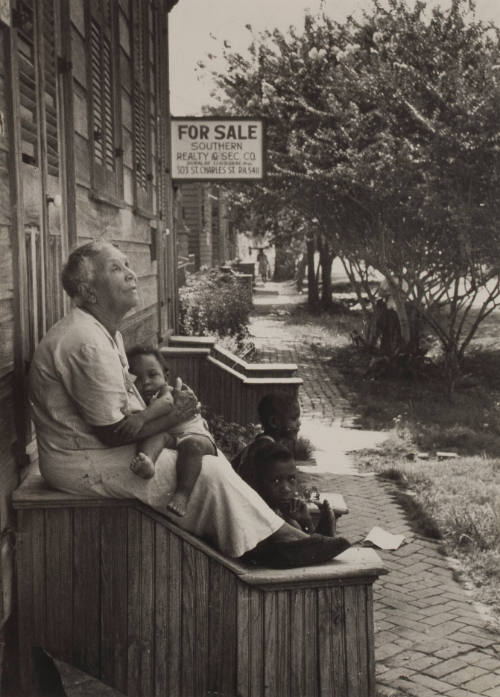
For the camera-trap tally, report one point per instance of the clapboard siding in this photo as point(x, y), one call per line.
point(50, 201)
point(126, 596)
point(117, 219)
point(9, 342)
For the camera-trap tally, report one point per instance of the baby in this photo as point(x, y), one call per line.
point(191, 438)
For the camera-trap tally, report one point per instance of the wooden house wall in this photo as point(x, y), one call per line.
point(53, 197)
point(204, 211)
point(9, 476)
point(191, 215)
point(206, 246)
point(126, 218)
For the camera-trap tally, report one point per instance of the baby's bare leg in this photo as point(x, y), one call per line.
point(143, 463)
point(190, 451)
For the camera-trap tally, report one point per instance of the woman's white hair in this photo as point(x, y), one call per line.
point(80, 267)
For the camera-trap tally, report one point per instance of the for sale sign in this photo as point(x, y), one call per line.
point(213, 149)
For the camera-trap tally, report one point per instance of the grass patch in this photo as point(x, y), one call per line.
point(331, 329)
point(456, 501)
point(468, 424)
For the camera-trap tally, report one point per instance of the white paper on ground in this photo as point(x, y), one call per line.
point(378, 537)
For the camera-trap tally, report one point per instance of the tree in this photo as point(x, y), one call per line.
point(386, 130)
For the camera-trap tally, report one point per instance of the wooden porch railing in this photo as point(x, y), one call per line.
point(120, 592)
point(225, 383)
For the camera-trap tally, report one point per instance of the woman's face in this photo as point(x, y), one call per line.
point(149, 374)
point(114, 283)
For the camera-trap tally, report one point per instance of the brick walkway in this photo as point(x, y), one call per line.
point(431, 639)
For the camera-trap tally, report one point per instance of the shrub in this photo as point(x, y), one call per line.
point(214, 303)
point(229, 437)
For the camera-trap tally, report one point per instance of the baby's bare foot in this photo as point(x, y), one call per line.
point(142, 466)
point(178, 504)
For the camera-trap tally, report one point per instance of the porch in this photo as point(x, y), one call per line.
point(120, 592)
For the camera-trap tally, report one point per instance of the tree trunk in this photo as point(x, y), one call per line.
point(312, 284)
point(326, 258)
point(452, 369)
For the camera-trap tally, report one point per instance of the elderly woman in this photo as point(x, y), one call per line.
point(84, 406)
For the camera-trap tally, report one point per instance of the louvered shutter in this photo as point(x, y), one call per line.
point(27, 81)
point(50, 86)
point(142, 45)
point(101, 33)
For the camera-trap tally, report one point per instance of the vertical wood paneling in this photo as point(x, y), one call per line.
point(25, 593)
point(140, 604)
point(194, 621)
point(161, 609)
point(257, 645)
point(114, 598)
point(298, 641)
point(331, 647)
point(147, 607)
point(311, 656)
point(272, 640)
point(355, 633)
point(283, 665)
point(173, 621)
point(59, 587)
point(244, 629)
point(174, 628)
point(222, 619)
point(39, 579)
point(134, 603)
point(86, 590)
point(370, 639)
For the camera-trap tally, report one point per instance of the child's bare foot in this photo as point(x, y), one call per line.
point(178, 504)
point(143, 466)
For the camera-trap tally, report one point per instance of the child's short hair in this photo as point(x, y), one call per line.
point(147, 351)
point(270, 453)
point(274, 403)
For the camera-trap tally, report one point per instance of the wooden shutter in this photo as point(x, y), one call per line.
point(25, 22)
point(141, 47)
point(50, 86)
point(103, 120)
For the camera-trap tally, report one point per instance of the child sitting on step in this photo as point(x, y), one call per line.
point(279, 416)
point(190, 438)
point(276, 482)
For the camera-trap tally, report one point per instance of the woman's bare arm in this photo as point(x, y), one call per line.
point(133, 428)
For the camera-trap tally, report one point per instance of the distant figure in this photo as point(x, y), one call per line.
point(264, 267)
point(300, 272)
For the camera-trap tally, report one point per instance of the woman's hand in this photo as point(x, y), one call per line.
point(186, 404)
point(131, 426)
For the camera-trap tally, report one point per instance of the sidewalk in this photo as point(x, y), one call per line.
point(431, 639)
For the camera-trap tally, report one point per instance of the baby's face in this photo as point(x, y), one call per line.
point(150, 375)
